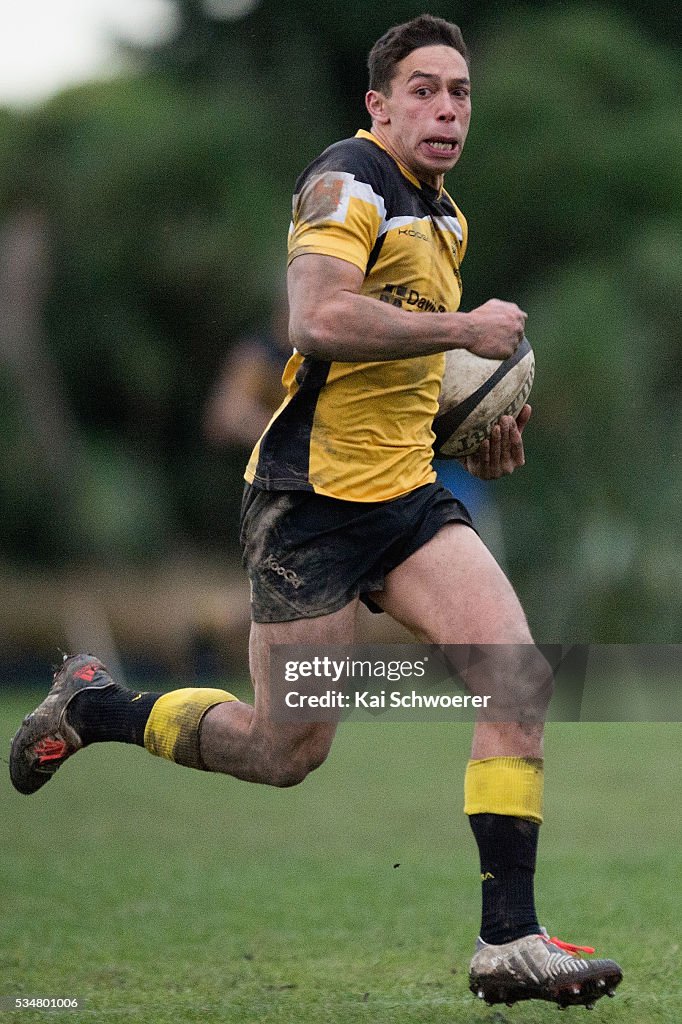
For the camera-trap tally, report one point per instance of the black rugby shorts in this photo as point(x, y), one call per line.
point(308, 555)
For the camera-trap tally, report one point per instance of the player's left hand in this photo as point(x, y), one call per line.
point(503, 452)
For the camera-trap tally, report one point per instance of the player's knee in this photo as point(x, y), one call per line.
point(535, 679)
point(520, 679)
point(291, 767)
point(293, 773)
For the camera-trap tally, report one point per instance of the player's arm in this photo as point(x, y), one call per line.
point(330, 319)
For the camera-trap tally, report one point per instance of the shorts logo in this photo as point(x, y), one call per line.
point(288, 574)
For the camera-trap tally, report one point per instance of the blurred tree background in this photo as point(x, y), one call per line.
point(149, 215)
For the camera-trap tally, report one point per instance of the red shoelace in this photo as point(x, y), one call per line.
point(569, 946)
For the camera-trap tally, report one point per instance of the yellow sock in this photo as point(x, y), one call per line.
point(172, 729)
point(505, 785)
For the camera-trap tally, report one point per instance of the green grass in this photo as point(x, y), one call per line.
point(158, 894)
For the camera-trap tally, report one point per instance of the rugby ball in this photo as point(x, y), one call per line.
point(475, 393)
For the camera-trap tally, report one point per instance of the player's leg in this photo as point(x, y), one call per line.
point(304, 567)
point(198, 727)
point(451, 591)
point(243, 740)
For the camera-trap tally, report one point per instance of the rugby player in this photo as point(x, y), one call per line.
point(341, 505)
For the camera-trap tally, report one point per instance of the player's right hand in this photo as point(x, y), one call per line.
point(498, 328)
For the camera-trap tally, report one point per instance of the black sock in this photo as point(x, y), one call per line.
point(115, 714)
point(507, 848)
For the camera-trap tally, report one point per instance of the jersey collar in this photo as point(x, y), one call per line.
point(436, 193)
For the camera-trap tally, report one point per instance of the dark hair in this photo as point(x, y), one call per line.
point(399, 41)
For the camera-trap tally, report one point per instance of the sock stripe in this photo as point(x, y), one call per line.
point(173, 727)
point(511, 786)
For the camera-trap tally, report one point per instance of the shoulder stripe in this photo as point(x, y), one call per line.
point(360, 190)
point(388, 224)
point(351, 188)
point(399, 222)
point(354, 189)
point(451, 224)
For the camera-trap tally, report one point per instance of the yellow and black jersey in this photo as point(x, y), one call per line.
point(362, 431)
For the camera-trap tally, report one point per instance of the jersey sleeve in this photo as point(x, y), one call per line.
point(338, 208)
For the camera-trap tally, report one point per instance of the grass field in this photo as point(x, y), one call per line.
point(158, 894)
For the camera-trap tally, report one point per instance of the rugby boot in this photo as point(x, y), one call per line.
point(537, 967)
point(45, 739)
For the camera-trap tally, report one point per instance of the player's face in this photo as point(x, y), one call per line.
point(425, 119)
